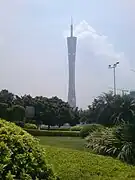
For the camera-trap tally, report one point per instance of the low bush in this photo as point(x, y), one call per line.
point(103, 142)
point(55, 128)
point(76, 128)
point(117, 142)
point(126, 135)
point(21, 156)
point(53, 133)
point(87, 129)
point(30, 126)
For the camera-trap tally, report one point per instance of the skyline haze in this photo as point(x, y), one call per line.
point(33, 51)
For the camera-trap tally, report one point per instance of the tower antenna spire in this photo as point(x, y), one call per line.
point(71, 26)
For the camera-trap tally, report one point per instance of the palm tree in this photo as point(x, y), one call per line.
point(124, 110)
point(109, 110)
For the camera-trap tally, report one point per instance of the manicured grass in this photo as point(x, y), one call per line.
point(79, 165)
point(63, 142)
point(71, 162)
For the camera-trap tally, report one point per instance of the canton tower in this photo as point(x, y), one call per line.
point(71, 43)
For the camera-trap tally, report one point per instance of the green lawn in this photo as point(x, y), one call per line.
point(71, 164)
point(63, 142)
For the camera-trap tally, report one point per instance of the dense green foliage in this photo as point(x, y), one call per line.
point(21, 156)
point(53, 133)
point(87, 129)
point(109, 110)
point(103, 142)
point(30, 126)
point(76, 128)
point(3, 110)
point(16, 112)
point(49, 111)
point(72, 164)
point(117, 142)
point(106, 109)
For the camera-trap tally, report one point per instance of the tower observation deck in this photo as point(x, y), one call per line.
point(71, 43)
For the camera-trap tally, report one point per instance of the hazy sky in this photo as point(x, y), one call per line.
point(33, 54)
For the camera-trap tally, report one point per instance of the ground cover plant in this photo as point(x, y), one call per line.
point(73, 164)
point(71, 161)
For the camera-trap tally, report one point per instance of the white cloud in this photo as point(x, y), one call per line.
point(99, 43)
point(94, 54)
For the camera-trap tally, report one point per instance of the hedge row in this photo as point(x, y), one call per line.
point(36, 132)
point(56, 129)
point(76, 128)
point(30, 126)
point(89, 128)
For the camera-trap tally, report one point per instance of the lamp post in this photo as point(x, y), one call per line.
point(114, 75)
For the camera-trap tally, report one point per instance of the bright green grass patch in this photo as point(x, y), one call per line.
point(63, 142)
point(79, 165)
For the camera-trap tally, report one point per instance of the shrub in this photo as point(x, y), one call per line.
point(53, 133)
point(126, 135)
point(117, 142)
point(86, 129)
point(60, 129)
point(76, 128)
point(21, 156)
point(104, 142)
point(55, 128)
point(30, 126)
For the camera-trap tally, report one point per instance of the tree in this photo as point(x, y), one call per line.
point(18, 113)
point(48, 117)
point(50, 111)
point(108, 109)
point(3, 110)
point(125, 111)
point(18, 100)
point(6, 97)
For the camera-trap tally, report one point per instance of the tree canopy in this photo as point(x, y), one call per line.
point(49, 111)
point(106, 109)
